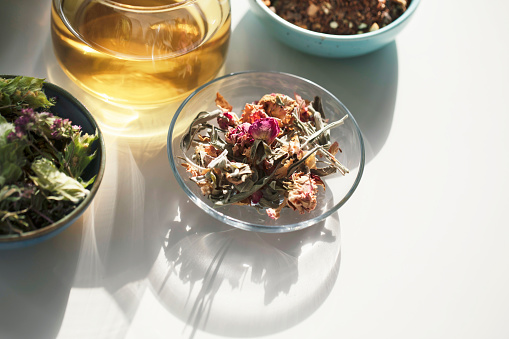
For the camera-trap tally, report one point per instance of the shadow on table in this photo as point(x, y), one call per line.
point(367, 85)
point(35, 285)
point(213, 277)
point(232, 282)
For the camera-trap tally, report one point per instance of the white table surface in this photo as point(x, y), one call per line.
point(421, 250)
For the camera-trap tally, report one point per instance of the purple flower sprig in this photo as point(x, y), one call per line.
point(44, 126)
point(63, 128)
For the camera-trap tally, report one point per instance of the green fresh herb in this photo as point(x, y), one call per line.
point(42, 158)
point(22, 90)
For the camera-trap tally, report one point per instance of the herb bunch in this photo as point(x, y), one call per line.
point(273, 156)
point(42, 158)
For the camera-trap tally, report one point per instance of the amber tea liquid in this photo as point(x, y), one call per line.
point(137, 57)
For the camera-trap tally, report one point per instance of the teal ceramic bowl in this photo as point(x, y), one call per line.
point(329, 45)
point(68, 107)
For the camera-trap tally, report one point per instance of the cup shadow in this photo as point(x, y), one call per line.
point(367, 85)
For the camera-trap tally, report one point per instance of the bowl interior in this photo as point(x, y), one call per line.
point(67, 107)
point(241, 88)
point(410, 10)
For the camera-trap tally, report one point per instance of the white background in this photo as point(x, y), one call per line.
point(419, 251)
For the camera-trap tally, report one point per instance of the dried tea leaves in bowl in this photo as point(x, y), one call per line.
point(339, 17)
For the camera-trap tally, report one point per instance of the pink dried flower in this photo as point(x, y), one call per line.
point(227, 119)
point(278, 106)
point(238, 134)
point(239, 137)
point(256, 197)
point(273, 213)
point(302, 195)
point(253, 112)
point(266, 129)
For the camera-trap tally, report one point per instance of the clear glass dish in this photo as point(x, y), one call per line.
point(246, 87)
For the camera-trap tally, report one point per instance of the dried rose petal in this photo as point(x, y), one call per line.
point(253, 112)
point(266, 129)
point(256, 197)
point(304, 114)
point(227, 119)
point(278, 106)
point(238, 134)
point(221, 102)
point(273, 213)
point(302, 195)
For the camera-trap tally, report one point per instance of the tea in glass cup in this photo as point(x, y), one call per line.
point(140, 53)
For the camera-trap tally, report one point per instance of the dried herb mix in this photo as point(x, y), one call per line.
point(339, 17)
point(273, 156)
point(42, 157)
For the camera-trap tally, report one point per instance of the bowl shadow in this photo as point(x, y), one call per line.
point(232, 282)
point(211, 276)
point(220, 279)
point(36, 286)
point(367, 85)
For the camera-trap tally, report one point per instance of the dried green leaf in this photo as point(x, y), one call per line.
point(63, 187)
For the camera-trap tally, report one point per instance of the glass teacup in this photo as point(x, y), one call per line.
point(137, 53)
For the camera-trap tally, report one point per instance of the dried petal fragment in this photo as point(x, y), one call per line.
point(278, 106)
point(253, 112)
point(302, 195)
point(227, 119)
point(222, 103)
point(275, 213)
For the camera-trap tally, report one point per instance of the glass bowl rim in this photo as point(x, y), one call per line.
point(241, 224)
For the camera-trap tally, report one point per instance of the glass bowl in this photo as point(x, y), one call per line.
point(246, 87)
point(330, 45)
point(67, 107)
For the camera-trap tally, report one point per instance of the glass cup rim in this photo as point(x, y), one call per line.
point(137, 8)
point(148, 9)
point(58, 7)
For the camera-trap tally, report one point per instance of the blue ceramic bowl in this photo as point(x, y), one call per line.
point(66, 107)
point(329, 45)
